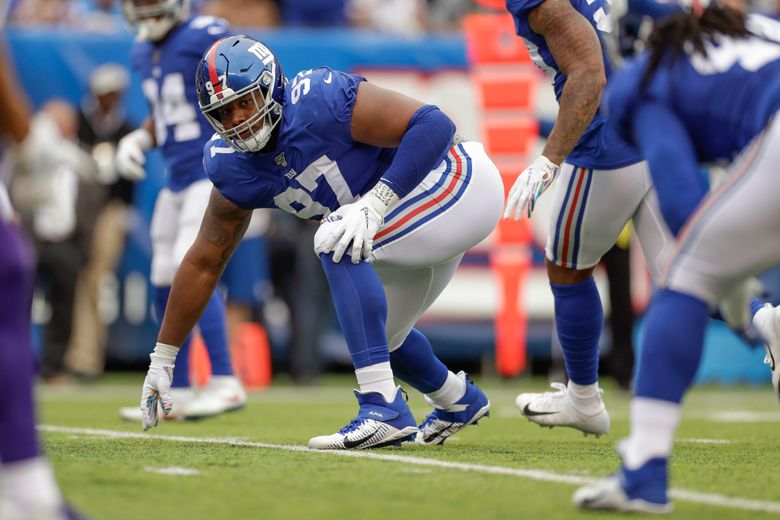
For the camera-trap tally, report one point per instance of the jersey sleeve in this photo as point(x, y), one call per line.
point(232, 179)
point(328, 104)
point(520, 10)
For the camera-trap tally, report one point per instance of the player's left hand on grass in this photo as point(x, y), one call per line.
point(157, 385)
point(529, 186)
point(355, 224)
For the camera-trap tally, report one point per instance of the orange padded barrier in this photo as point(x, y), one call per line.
point(200, 365)
point(506, 86)
point(251, 355)
point(491, 38)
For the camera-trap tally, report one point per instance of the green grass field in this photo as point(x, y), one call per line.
point(254, 464)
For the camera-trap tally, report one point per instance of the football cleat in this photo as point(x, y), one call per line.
point(378, 423)
point(443, 423)
point(556, 408)
point(629, 491)
point(767, 321)
point(222, 394)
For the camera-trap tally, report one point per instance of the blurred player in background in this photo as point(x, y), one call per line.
point(28, 490)
point(391, 183)
point(603, 185)
point(166, 52)
point(707, 89)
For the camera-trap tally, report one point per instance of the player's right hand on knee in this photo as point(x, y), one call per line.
point(156, 392)
point(529, 186)
point(131, 154)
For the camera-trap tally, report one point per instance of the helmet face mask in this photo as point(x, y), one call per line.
point(255, 125)
point(240, 88)
point(153, 19)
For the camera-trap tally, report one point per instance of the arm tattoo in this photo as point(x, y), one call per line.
point(577, 52)
point(224, 225)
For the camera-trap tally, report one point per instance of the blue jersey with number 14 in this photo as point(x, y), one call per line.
point(315, 166)
point(599, 147)
point(167, 72)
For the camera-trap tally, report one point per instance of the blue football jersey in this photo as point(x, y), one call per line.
point(722, 100)
point(167, 72)
point(315, 166)
point(599, 147)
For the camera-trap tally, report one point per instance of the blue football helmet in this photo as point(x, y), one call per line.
point(153, 19)
point(239, 67)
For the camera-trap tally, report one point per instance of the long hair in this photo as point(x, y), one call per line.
point(676, 32)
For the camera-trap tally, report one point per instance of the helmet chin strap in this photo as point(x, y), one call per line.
point(258, 140)
point(155, 30)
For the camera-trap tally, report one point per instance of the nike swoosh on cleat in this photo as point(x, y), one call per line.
point(348, 444)
point(531, 413)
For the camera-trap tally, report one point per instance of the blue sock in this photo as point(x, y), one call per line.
point(415, 363)
point(361, 307)
point(579, 319)
point(181, 374)
point(672, 346)
point(212, 329)
point(755, 305)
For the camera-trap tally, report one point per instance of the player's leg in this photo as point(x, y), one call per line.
point(591, 209)
point(27, 483)
point(464, 185)
point(456, 400)
point(224, 392)
point(384, 417)
point(417, 262)
point(691, 284)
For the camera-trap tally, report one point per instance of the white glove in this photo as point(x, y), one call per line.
point(157, 385)
point(357, 223)
point(529, 186)
point(131, 154)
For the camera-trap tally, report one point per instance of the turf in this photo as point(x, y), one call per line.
point(109, 478)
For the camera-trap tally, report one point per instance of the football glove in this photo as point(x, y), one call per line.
point(355, 223)
point(529, 186)
point(131, 154)
point(157, 385)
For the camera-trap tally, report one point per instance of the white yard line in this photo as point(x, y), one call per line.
point(710, 499)
point(173, 470)
point(705, 441)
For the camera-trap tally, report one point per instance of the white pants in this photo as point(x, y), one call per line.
point(175, 224)
point(593, 206)
point(733, 234)
point(426, 234)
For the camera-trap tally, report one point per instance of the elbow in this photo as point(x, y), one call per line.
point(590, 80)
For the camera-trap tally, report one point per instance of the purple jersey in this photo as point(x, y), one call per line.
point(315, 166)
point(167, 70)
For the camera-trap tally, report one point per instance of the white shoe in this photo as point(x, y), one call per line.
point(182, 397)
point(557, 409)
point(222, 394)
point(767, 321)
point(378, 423)
point(608, 495)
